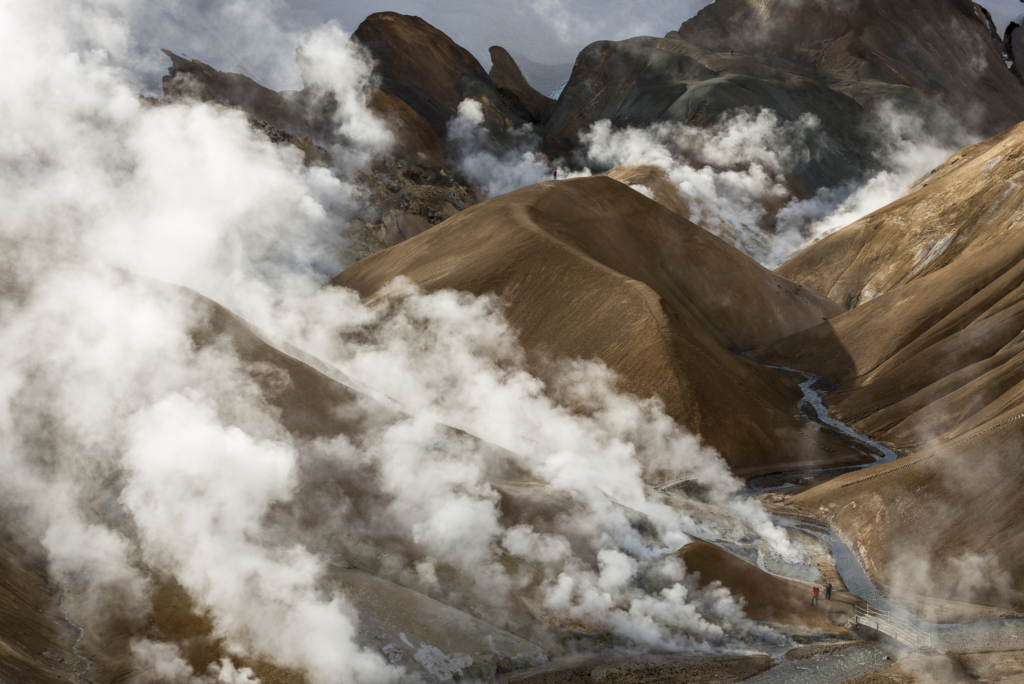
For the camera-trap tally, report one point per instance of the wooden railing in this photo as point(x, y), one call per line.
point(898, 628)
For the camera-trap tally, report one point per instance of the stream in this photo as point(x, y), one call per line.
point(849, 568)
point(866, 657)
point(814, 399)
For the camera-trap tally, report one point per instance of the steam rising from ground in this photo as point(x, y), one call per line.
point(733, 174)
point(495, 167)
point(133, 442)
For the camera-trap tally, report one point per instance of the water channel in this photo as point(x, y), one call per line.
point(866, 657)
point(813, 397)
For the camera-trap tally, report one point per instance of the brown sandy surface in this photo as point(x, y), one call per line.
point(935, 367)
point(591, 269)
point(646, 669)
point(36, 641)
point(768, 598)
point(1000, 666)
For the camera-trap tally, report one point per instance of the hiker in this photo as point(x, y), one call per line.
point(828, 591)
point(554, 174)
point(814, 595)
point(730, 53)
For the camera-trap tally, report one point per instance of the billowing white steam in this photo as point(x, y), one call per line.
point(334, 69)
point(732, 174)
point(126, 445)
point(495, 168)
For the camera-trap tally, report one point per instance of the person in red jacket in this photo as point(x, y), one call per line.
point(814, 596)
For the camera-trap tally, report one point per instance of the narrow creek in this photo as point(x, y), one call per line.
point(847, 564)
point(996, 634)
point(814, 398)
point(862, 658)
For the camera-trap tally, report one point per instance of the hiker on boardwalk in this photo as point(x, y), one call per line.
point(814, 595)
point(828, 591)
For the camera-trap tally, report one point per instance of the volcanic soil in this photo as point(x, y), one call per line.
point(933, 365)
point(591, 269)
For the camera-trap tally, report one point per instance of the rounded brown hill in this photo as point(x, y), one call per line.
point(751, 240)
point(592, 269)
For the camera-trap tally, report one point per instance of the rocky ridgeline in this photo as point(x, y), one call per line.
point(403, 200)
point(314, 154)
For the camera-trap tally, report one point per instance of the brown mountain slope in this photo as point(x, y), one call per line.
point(935, 366)
point(937, 357)
point(666, 193)
point(40, 628)
point(912, 52)
point(961, 207)
point(769, 598)
point(592, 269)
point(947, 525)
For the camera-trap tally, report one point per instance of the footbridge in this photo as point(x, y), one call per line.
point(669, 485)
point(897, 627)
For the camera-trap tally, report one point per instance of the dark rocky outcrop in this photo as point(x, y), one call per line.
point(423, 68)
point(913, 52)
point(515, 91)
point(641, 81)
point(406, 191)
point(285, 111)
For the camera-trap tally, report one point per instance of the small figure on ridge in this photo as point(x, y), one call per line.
point(814, 595)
